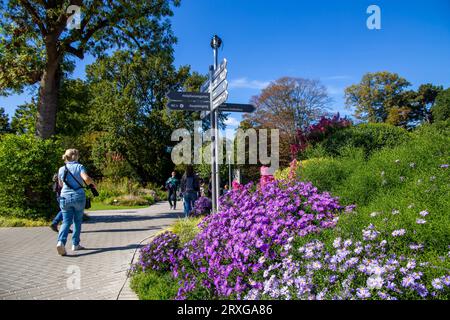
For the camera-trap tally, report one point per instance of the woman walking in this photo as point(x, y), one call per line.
point(189, 187)
point(72, 177)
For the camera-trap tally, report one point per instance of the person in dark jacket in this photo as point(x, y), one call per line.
point(172, 187)
point(190, 186)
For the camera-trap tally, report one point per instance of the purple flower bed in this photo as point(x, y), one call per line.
point(351, 270)
point(202, 207)
point(156, 255)
point(253, 228)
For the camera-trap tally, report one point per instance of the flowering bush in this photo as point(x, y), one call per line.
point(318, 132)
point(202, 206)
point(156, 255)
point(236, 185)
point(367, 269)
point(252, 228)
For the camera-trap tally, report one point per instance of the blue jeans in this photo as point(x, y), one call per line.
point(59, 216)
point(189, 200)
point(72, 208)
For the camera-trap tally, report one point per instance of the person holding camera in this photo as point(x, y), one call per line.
point(72, 202)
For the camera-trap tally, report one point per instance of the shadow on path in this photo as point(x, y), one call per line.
point(102, 250)
point(128, 218)
point(126, 230)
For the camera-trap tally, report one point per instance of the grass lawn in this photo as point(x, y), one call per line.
point(101, 206)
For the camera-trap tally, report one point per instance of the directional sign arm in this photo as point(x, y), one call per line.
point(197, 96)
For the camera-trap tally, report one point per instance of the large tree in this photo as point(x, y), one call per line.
point(289, 104)
point(35, 41)
point(375, 95)
point(409, 108)
point(128, 109)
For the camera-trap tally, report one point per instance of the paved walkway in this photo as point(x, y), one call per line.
point(30, 267)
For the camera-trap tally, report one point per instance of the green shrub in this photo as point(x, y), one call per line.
point(153, 285)
point(357, 180)
point(186, 229)
point(27, 166)
point(406, 179)
point(370, 137)
point(441, 109)
point(10, 222)
point(109, 188)
point(129, 200)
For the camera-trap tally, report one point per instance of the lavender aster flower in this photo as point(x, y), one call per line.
point(424, 213)
point(421, 221)
point(399, 233)
point(375, 282)
point(363, 293)
point(437, 284)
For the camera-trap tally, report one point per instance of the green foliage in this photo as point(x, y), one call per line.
point(11, 222)
point(372, 96)
point(72, 117)
point(370, 137)
point(441, 110)
point(27, 166)
point(4, 122)
point(24, 119)
point(126, 192)
point(130, 201)
point(128, 108)
point(186, 229)
point(109, 188)
point(408, 178)
point(31, 30)
point(152, 285)
point(390, 189)
point(204, 169)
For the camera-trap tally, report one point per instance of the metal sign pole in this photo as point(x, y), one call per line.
point(216, 43)
point(211, 98)
point(213, 146)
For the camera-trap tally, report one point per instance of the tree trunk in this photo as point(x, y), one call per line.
point(48, 95)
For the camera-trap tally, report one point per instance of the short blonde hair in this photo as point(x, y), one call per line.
point(71, 155)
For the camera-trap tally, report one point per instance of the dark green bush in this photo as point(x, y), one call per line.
point(441, 109)
point(370, 137)
point(27, 166)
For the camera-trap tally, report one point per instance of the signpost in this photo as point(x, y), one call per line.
point(197, 96)
point(189, 105)
point(210, 100)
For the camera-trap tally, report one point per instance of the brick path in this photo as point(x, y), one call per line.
point(30, 267)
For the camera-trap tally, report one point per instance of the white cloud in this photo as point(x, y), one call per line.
point(232, 122)
point(334, 91)
point(338, 77)
point(245, 83)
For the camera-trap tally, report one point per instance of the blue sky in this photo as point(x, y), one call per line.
point(325, 40)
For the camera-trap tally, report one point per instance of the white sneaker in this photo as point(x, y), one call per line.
point(61, 248)
point(78, 247)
